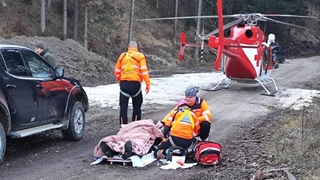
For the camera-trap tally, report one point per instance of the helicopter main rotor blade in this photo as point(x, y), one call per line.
point(241, 16)
point(226, 26)
point(289, 24)
point(288, 15)
point(185, 17)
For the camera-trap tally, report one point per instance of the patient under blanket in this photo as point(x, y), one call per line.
point(142, 135)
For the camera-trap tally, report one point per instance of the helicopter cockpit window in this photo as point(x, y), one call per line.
point(228, 33)
point(14, 63)
point(37, 66)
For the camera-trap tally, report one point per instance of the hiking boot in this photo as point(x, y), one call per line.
point(127, 150)
point(160, 154)
point(106, 149)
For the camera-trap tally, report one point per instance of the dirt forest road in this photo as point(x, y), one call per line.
point(47, 156)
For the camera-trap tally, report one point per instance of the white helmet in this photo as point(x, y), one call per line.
point(271, 38)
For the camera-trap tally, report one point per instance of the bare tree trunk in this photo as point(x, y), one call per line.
point(169, 8)
point(196, 8)
point(311, 7)
point(65, 19)
point(49, 4)
point(230, 6)
point(175, 23)
point(157, 4)
point(76, 19)
point(3, 3)
point(85, 43)
point(43, 16)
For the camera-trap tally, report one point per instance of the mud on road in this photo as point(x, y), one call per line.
point(241, 123)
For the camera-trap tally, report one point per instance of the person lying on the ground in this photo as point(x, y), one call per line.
point(179, 130)
point(134, 138)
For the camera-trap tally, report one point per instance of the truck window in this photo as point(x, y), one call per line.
point(37, 67)
point(14, 63)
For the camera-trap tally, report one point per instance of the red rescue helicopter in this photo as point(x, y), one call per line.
point(245, 56)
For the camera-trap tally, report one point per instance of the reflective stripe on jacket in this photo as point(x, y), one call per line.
point(138, 61)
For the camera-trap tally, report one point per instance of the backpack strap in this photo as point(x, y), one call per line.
point(175, 115)
point(124, 55)
point(130, 55)
point(182, 116)
point(134, 58)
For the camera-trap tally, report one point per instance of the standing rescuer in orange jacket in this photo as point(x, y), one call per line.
point(131, 69)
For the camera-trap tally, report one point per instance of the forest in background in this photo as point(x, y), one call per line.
point(108, 22)
point(104, 25)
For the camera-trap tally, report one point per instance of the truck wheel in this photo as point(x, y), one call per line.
point(77, 121)
point(2, 143)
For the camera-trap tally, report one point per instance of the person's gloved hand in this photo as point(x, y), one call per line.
point(147, 88)
point(196, 122)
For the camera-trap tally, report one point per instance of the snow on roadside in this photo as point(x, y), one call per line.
point(168, 90)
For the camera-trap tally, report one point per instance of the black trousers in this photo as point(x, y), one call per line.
point(181, 142)
point(130, 88)
point(204, 130)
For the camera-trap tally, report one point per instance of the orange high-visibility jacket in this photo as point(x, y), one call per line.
point(202, 111)
point(186, 127)
point(140, 70)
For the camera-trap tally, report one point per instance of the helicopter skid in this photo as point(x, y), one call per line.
point(222, 84)
point(265, 81)
point(225, 85)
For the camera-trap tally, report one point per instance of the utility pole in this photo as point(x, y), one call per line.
point(130, 21)
point(196, 53)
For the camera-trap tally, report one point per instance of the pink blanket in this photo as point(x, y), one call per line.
point(141, 133)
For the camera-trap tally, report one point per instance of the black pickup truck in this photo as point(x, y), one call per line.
point(35, 97)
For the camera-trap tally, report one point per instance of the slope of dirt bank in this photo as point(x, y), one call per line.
point(92, 69)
